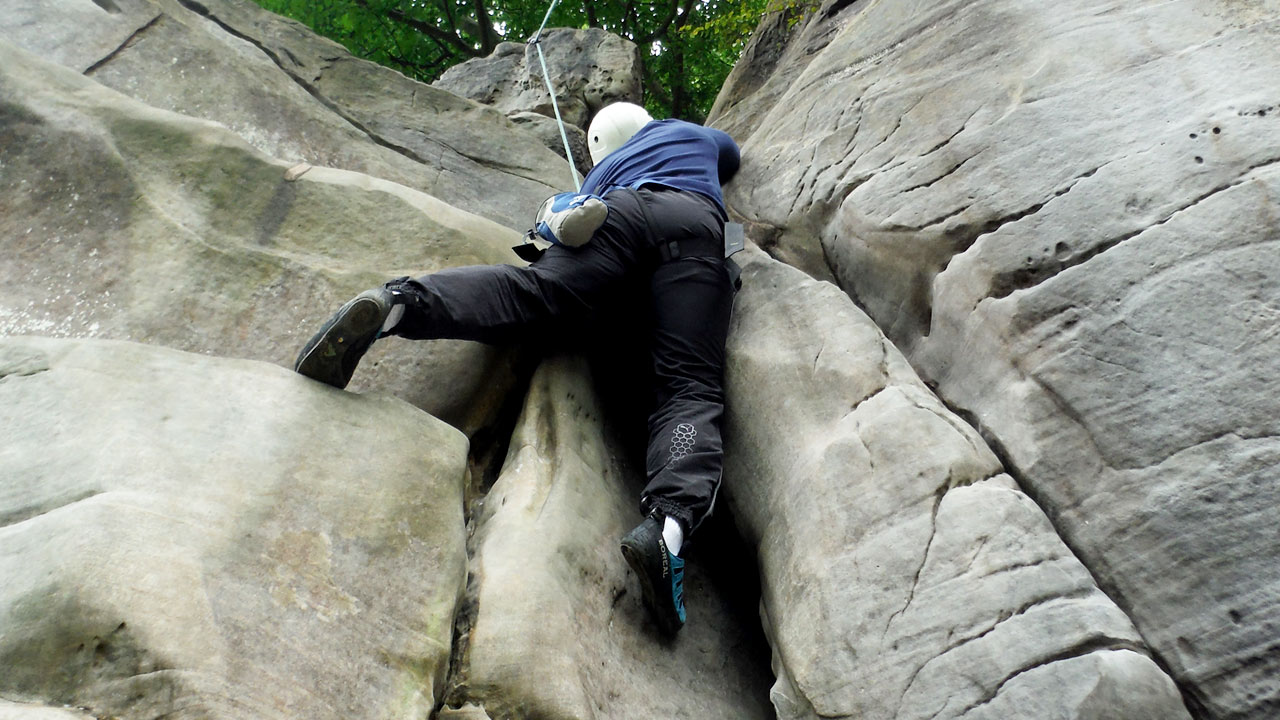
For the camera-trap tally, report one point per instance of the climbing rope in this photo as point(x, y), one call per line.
point(535, 41)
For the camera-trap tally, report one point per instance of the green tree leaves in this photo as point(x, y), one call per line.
point(688, 46)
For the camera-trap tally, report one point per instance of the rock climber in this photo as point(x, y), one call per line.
point(663, 231)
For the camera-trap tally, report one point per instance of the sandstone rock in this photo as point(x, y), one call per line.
point(466, 712)
point(127, 222)
point(220, 538)
point(1064, 215)
point(904, 575)
point(296, 96)
point(589, 69)
point(33, 711)
point(548, 131)
point(559, 629)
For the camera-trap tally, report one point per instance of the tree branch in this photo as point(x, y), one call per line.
point(652, 87)
point(627, 12)
point(660, 32)
point(488, 37)
point(427, 29)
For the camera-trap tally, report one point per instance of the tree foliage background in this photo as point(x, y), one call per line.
point(688, 46)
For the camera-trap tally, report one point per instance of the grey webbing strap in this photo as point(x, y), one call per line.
point(734, 239)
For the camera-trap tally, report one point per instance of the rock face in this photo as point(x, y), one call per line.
point(128, 222)
point(904, 574)
point(589, 69)
point(295, 96)
point(592, 68)
point(219, 538)
point(1069, 519)
point(559, 630)
point(1065, 216)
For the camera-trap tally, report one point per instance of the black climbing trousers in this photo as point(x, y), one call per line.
point(666, 243)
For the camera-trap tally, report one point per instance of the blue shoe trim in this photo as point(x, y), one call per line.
point(677, 582)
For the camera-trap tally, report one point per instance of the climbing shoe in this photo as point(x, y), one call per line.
point(661, 574)
point(332, 354)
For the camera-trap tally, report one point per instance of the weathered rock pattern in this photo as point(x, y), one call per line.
point(1065, 215)
point(547, 131)
point(904, 575)
point(127, 222)
point(219, 538)
point(36, 711)
point(295, 96)
point(592, 69)
point(559, 630)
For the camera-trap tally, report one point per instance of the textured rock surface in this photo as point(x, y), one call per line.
point(295, 96)
point(35, 711)
point(559, 630)
point(591, 68)
point(904, 575)
point(127, 222)
point(1065, 215)
point(548, 132)
point(220, 538)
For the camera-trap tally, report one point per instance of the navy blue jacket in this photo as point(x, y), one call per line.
point(671, 153)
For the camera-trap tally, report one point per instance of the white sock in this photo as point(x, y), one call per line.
point(393, 317)
point(673, 535)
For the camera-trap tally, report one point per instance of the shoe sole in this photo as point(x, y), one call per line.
point(351, 326)
point(635, 558)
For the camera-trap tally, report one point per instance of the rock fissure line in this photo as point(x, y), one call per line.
point(320, 97)
point(932, 222)
point(995, 225)
point(859, 403)
point(1005, 284)
point(940, 178)
point(1072, 414)
point(1111, 592)
point(206, 13)
point(1013, 567)
point(800, 191)
point(1003, 618)
point(455, 688)
point(896, 127)
point(1099, 643)
point(1198, 443)
point(25, 515)
point(22, 372)
point(924, 560)
point(128, 42)
point(964, 430)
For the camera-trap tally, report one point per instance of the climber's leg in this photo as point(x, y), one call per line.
point(495, 304)
point(693, 299)
point(500, 304)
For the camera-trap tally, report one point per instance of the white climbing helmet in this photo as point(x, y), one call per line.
point(613, 126)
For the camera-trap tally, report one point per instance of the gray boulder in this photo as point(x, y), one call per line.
point(548, 132)
point(207, 537)
point(589, 69)
point(127, 222)
point(904, 574)
point(295, 96)
point(556, 625)
point(1063, 215)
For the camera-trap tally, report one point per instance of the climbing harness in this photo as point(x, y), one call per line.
point(536, 42)
point(571, 219)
